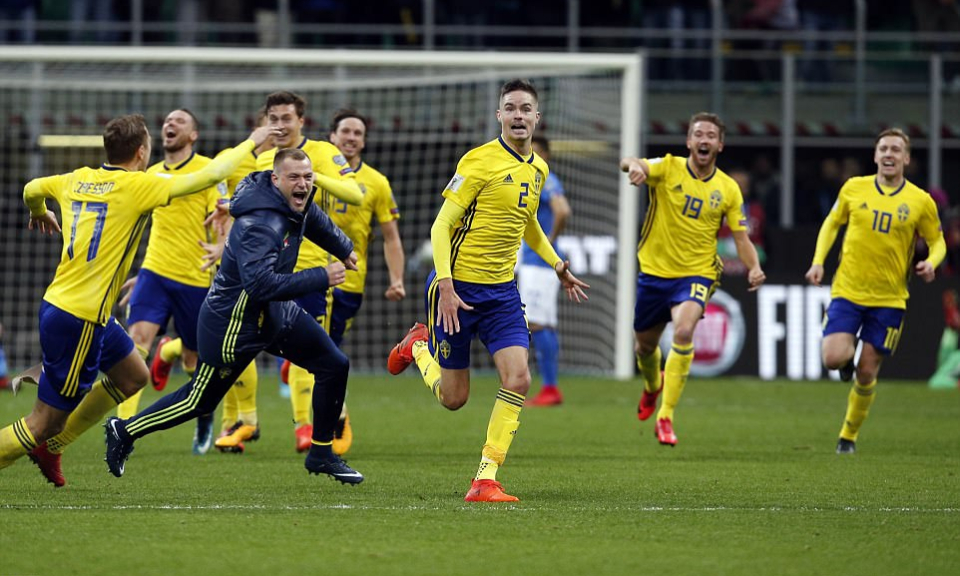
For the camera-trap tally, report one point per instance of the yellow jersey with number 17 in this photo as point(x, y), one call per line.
point(877, 252)
point(174, 250)
point(684, 215)
point(104, 213)
point(327, 160)
point(500, 191)
point(356, 221)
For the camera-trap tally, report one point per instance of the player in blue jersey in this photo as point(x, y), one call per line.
point(539, 285)
point(250, 309)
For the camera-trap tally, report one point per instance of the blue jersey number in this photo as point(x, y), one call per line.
point(340, 206)
point(882, 221)
point(98, 208)
point(525, 186)
point(691, 209)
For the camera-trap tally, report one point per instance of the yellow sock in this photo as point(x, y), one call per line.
point(171, 350)
point(231, 412)
point(429, 368)
point(504, 421)
point(301, 392)
point(101, 399)
point(650, 369)
point(858, 406)
point(675, 373)
point(246, 387)
point(15, 441)
point(128, 408)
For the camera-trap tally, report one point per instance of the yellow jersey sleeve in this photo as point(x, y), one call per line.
point(357, 221)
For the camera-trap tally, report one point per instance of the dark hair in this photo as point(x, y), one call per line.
point(193, 117)
point(295, 154)
point(123, 136)
point(344, 113)
point(282, 98)
point(542, 142)
point(894, 132)
point(708, 117)
point(518, 84)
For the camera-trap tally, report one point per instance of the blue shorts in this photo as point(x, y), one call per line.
point(315, 305)
point(497, 317)
point(155, 299)
point(117, 345)
point(880, 327)
point(657, 296)
point(342, 309)
point(71, 357)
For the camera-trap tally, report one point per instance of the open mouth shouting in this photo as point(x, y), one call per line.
point(298, 200)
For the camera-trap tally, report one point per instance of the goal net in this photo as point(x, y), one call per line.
point(427, 109)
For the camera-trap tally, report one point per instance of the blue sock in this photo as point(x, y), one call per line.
point(547, 349)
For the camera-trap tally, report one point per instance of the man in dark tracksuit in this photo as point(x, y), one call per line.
point(249, 309)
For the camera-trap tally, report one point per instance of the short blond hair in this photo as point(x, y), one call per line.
point(708, 117)
point(893, 132)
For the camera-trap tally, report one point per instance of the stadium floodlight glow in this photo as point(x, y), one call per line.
point(428, 108)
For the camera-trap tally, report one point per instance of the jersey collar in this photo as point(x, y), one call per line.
point(108, 167)
point(180, 165)
point(694, 174)
point(513, 152)
point(876, 182)
point(304, 143)
point(359, 166)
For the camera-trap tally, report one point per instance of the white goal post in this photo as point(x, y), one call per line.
point(427, 109)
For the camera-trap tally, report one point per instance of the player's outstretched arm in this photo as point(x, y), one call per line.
point(222, 166)
point(637, 169)
point(573, 286)
point(345, 189)
point(449, 303)
point(748, 255)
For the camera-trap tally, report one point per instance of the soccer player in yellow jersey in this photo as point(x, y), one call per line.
point(883, 214)
point(104, 212)
point(489, 205)
point(171, 282)
point(348, 131)
point(679, 266)
point(239, 421)
point(335, 180)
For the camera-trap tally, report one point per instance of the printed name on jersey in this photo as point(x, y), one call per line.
point(455, 183)
point(98, 188)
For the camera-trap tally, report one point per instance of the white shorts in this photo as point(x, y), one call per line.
point(538, 292)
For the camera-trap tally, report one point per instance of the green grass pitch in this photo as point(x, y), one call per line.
point(753, 487)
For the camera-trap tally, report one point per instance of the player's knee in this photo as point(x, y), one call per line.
point(454, 402)
point(133, 380)
point(519, 383)
point(683, 335)
point(644, 348)
point(835, 359)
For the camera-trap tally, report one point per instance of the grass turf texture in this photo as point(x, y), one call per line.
point(753, 487)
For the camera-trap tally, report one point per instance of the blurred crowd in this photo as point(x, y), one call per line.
point(672, 15)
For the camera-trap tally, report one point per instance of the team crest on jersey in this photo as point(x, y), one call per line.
point(903, 212)
point(715, 199)
point(445, 349)
point(537, 181)
point(224, 372)
point(363, 188)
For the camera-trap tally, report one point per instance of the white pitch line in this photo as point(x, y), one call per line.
point(514, 507)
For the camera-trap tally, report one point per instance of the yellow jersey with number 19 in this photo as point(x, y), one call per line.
point(356, 221)
point(104, 213)
point(500, 191)
point(173, 250)
point(329, 161)
point(684, 214)
point(877, 252)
